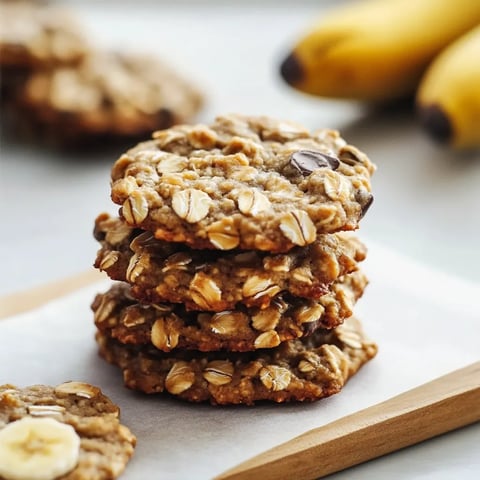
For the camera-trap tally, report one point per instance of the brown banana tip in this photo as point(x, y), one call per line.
point(436, 123)
point(291, 70)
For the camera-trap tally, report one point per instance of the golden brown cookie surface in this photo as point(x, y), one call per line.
point(214, 280)
point(243, 182)
point(169, 326)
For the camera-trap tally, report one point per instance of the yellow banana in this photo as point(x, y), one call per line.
point(448, 98)
point(376, 50)
point(37, 449)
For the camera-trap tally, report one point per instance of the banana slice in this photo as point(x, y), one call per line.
point(37, 449)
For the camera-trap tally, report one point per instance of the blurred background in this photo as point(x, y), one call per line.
point(427, 201)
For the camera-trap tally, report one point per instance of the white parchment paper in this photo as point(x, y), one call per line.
point(426, 324)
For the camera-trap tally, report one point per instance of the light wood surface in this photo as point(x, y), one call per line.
point(23, 301)
point(447, 403)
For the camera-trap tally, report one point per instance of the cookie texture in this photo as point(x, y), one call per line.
point(299, 370)
point(243, 182)
point(169, 326)
point(214, 280)
point(105, 444)
point(107, 95)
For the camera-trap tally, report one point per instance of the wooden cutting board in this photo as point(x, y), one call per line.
point(32, 298)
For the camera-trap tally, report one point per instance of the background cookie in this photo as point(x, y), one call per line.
point(298, 370)
point(35, 36)
point(243, 182)
point(214, 280)
point(38, 35)
point(108, 94)
point(169, 326)
point(98, 445)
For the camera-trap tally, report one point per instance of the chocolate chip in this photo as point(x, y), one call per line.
point(365, 199)
point(307, 161)
point(310, 327)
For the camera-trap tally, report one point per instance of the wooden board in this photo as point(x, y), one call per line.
point(26, 300)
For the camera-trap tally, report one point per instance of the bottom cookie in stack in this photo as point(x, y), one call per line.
point(304, 369)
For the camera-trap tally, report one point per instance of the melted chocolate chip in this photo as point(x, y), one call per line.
point(310, 327)
point(307, 161)
point(365, 199)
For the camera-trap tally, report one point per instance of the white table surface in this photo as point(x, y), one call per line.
point(427, 200)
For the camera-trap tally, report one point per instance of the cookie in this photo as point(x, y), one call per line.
point(35, 35)
point(76, 419)
point(243, 182)
point(213, 280)
point(298, 370)
point(169, 326)
point(108, 95)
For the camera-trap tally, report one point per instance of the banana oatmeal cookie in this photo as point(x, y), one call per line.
point(70, 431)
point(109, 95)
point(169, 326)
point(243, 182)
point(214, 280)
point(34, 35)
point(298, 370)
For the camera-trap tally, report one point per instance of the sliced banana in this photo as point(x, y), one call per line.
point(37, 449)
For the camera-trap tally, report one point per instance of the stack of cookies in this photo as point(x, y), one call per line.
point(236, 274)
point(60, 87)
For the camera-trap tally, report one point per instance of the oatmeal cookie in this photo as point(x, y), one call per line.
point(109, 95)
point(213, 280)
point(35, 35)
point(298, 370)
point(169, 326)
point(243, 182)
point(81, 423)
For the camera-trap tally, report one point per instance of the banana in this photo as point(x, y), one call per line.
point(448, 99)
point(37, 449)
point(376, 50)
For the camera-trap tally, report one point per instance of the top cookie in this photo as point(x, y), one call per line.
point(243, 182)
point(36, 35)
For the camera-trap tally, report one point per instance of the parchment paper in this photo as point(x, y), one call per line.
point(426, 324)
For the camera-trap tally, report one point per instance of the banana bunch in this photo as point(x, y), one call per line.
point(383, 50)
point(448, 97)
